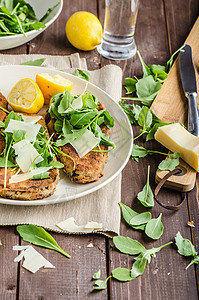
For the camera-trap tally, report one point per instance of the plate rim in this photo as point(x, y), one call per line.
point(84, 193)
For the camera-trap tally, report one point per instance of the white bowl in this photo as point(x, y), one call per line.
point(40, 7)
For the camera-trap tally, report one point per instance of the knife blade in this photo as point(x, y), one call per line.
point(188, 78)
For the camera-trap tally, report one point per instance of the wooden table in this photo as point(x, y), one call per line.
point(162, 27)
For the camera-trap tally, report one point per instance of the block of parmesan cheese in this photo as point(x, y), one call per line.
point(177, 139)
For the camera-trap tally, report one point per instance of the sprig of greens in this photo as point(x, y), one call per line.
point(186, 248)
point(148, 86)
point(18, 16)
point(72, 123)
point(39, 237)
point(101, 284)
point(132, 247)
point(144, 117)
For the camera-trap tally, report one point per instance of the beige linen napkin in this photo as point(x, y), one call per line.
point(100, 206)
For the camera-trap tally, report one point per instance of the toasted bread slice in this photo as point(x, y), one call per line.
point(28, 189)
point(88, 168)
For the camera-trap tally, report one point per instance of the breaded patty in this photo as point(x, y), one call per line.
point(28, 189)
point(88, 168)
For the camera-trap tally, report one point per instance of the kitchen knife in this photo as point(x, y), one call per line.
point(188, 78)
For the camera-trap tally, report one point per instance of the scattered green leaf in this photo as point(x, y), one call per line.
point(122, 274)
point(141, 219)
point(171, 162)
point(154, 228)
point(39, 237)
point(128, 214)
point(101, 284)
point(128, 245)
point(146, 195)
point(97, 275)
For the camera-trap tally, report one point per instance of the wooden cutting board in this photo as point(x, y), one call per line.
point(171, 105)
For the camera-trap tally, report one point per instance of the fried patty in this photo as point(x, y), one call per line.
point(88, 168)
point(28, 189)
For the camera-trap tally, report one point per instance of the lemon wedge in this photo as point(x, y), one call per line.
point(26, 96)
point(84, 30)
point(51, 85)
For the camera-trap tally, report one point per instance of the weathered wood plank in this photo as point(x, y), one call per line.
point(53, 41)
point(8, 270)
point(72, 278)
point(181, 17)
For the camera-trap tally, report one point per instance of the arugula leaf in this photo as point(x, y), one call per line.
point(97, 274)
point(3, 162)
point(43, 175)
point(39, 237)
point(170, 163)
point(195, 260)
point(141, 219)
point(68, 138)
point(82, 74)
point(146, 195)
point(147, 87)
point(36, 62)
point(138, 266)
point(56, 164)
point(154, 228)
point(122, 274)
point(128, 245)
point(101, 284)
point(19, 135)
point(66, 101)
point(132, 111)
point(130, 85)
point(170, 61)
point(108, 120)
point(185, 246)
point(2, 125)
point(128, 214)
point(145, 68)
point(49, 11)
point(145, 119)
point(80, 119)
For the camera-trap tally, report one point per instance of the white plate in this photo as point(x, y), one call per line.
point(121, 134)
point(40, 7)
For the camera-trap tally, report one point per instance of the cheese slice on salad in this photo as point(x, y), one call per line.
point(26, 155)
point(85, 143)
point(31, 119)
point(30, 129)
point(25, 176)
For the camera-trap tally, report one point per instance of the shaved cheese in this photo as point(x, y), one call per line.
point(31, 119)
point(85, 143)
point(95, 225)
point(71, 226)
point(30, 129)
point(19, 248)
point(33, 260)
point(29, 175)
point(26, 155)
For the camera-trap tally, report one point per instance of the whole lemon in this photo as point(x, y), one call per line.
point(84, 30)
